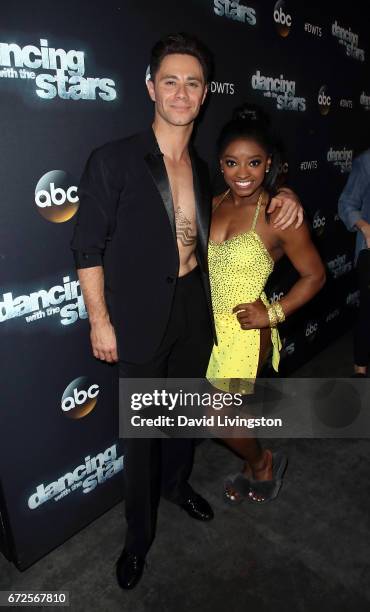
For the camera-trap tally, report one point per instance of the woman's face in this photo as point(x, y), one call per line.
point(244, 164)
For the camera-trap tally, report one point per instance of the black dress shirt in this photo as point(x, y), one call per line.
point(126, 223)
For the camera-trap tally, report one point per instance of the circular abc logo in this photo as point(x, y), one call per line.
point(324, 100)
point(79, 398)
point(318, 223)
point(311, 330)
point(56, 196)
point(283, 167)
point(282, 18)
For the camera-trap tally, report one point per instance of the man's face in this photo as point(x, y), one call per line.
point(179, 89)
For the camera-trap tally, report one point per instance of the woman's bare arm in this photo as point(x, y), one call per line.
point(299, 248)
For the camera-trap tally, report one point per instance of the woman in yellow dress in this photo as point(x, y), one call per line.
point(243, 248)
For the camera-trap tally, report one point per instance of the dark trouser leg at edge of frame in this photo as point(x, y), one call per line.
point(362, 327)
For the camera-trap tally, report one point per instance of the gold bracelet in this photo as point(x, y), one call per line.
point(279, 312)
point(275, 314)
point(272, 316)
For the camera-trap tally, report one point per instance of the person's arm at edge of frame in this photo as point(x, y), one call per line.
point(350, 200)
point(94, 221)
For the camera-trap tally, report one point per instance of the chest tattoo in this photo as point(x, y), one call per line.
point(184, 231)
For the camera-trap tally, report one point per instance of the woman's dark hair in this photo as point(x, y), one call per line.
point(185, 44)
point(253, 123)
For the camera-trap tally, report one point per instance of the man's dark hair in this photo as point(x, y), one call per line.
point(182, 43)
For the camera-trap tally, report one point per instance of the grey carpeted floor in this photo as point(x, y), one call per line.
point(307, 551)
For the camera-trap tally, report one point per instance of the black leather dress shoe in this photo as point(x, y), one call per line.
point(197, 507)
point(129, 569)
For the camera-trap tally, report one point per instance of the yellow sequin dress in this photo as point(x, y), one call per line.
point(238, 269)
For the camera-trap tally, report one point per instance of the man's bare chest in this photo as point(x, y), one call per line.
point(182, 189)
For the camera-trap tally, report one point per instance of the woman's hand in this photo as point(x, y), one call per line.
point(252, 316)
point(291, 210)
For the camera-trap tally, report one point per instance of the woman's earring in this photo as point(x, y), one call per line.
point(267, 170)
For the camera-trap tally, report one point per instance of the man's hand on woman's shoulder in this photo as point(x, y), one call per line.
point(291, 210)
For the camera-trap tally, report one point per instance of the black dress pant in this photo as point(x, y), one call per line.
point(362, 328)
point(155, 466)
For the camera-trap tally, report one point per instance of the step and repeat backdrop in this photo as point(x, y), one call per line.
point(72, 76)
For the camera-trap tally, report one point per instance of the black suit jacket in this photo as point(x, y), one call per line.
point(126, 223)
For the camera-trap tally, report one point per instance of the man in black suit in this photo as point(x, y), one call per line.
point(140, 246)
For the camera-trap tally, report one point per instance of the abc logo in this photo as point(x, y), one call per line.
point(56, 196)
point(79, 398)
point(276, 297)
point(283, 168)
point(282, 19)
point(324, 100)
point(318, 223)
point(311, 330)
